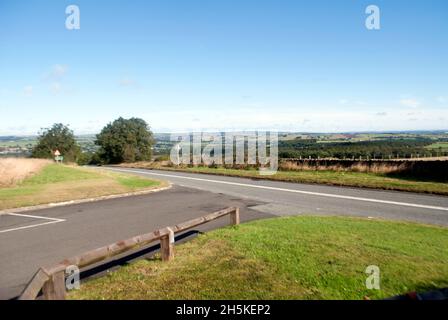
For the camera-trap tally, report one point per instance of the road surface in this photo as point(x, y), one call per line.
point(44, 237)
point(284, 198)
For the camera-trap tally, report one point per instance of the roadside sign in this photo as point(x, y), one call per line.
point(57, 156)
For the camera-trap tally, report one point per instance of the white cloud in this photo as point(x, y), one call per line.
point(345, 101)
point(28, 91)
point(55, 77)
point(127, 82)
point(292, 120)
point(56, 87)
point(57, 72)
point(442, 99)
point(410, 103)
point(174, 119)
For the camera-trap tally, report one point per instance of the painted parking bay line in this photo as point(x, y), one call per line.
point(319, 194)
point(50, 221)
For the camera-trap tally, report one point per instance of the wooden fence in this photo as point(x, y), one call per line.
point(52, 280)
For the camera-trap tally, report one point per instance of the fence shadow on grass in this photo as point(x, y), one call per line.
point(97, 271)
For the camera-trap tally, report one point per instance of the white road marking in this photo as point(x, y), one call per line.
point(35, 217)
point(319, 194)
point(52, 220)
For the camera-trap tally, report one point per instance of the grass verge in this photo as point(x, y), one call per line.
point(300, 257)
point(56, 183)
point(348, 179)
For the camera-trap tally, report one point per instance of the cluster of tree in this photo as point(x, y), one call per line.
point(123, 140)
point(58, 137)
point(341, 150)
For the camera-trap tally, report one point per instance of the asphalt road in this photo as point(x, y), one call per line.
point(28, 242)
point(283, 198)
point(44, 237)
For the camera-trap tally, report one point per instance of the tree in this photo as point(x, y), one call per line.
point(125, 140)
point(58, 137)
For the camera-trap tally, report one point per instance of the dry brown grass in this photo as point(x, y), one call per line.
point(356, 166)
point(15, 170)
point(365, 167)
point(147, 165)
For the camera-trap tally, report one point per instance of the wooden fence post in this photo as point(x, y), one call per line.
point(52, 281)
point(54, 288)
point(167, 246)
point(35, 285)
point(235, 217)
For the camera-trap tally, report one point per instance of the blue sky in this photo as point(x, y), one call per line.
point(224, 65)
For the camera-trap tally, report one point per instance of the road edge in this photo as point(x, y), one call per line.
point(86, 200)
point(267, 178)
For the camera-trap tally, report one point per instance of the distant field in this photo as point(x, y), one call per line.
point(56, 183)
point(299, 257)
point(85, 141)
point(294, 145)
point(442, 146)
point(20, 144)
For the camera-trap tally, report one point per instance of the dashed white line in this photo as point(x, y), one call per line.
point(319, 194)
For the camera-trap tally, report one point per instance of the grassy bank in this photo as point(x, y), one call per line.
point(288, 258)
point(56, 183)
point(338, 178)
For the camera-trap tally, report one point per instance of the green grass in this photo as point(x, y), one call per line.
point(442, 146)
point(135, 182)
point(300, 257)
point(56, 183)
point(350, 179)
point(54, 173)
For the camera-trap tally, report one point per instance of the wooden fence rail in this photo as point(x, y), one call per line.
point(52, 280)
